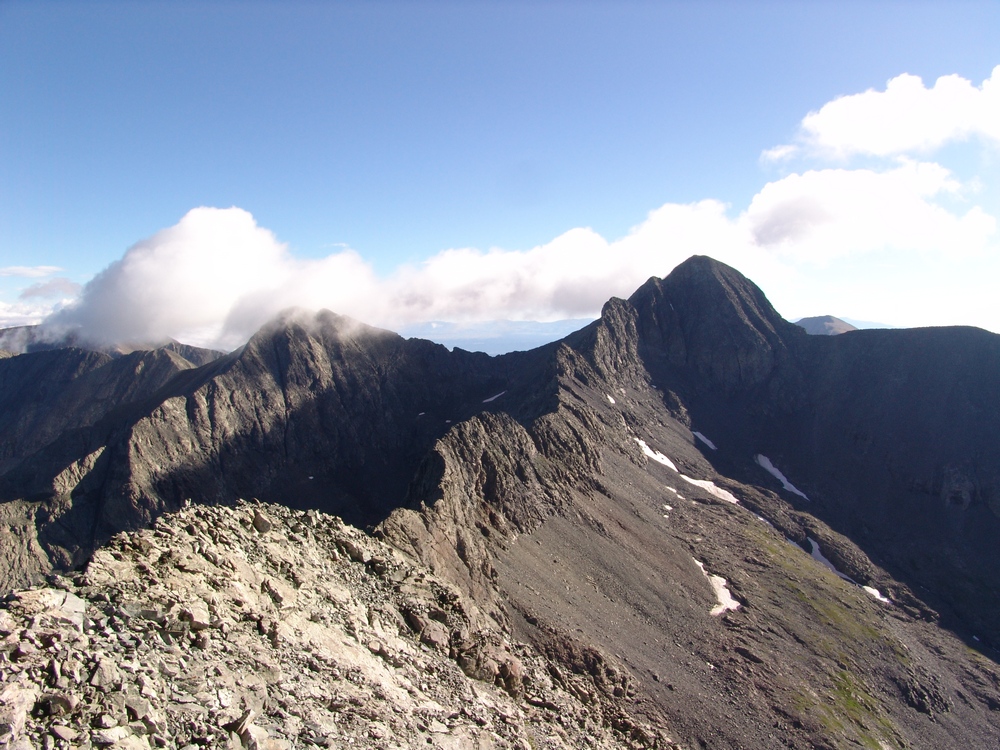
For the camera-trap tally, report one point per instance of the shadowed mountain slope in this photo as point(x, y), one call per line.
point(637, 502)
point(45, 394)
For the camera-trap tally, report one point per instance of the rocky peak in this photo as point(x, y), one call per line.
point(710, 320)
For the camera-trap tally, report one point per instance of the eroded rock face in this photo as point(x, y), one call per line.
point(262, 627)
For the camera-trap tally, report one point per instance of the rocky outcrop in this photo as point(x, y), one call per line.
point(262, 627)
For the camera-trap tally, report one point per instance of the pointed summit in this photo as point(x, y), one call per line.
point(710, 319)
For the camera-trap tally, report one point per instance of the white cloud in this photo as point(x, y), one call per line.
point(906, 118)
point(57, 287)
point(825, 214)
point(23, 314)
point(29, 272)
point(779, 153)
point(212, 278)
point(810, 239)
point(215, 277)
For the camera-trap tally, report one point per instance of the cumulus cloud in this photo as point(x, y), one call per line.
point(810, 239)
point(906, 118)
point(187, 281)
point(23, 314)
point(58, 287)
point(29, 272)
point(215, 277)
point(825, 214)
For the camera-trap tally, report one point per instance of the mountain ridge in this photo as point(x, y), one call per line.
point(601, 486)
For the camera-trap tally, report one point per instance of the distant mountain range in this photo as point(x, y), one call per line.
point(825, 325)
point(715, 529)
point(495, 336)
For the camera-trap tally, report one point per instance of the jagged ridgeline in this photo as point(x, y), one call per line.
point(731, 532)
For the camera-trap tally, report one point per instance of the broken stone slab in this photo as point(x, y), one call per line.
point(435, 635)
point(133, 742)
point(197, 615)
point(16, 700)
point(61, 606)
point(105, 676)
point(7, 624)
point(64, 733)
point(354, 551)
point(57, 704)
point(261, 522)
point(110, 736)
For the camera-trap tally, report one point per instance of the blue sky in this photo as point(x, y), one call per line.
point(363, 141)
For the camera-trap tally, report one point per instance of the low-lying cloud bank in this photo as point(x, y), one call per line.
point(898, 239)
point(215, 277)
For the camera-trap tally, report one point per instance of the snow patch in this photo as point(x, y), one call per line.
point(765, 463)
point(712, 489)
point(705, 440)
point(655, 455)
point(609, 398)
point(721, 588)
point(665, 506)
point(818, 555)
point(493, 398)
point(877, 594)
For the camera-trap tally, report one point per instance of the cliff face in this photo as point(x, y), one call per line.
point(675, 508)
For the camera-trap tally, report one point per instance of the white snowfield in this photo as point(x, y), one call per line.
point(712, 489)
point(765, 463)
point(877, 594)
point(493, 398)
point(818, 555)
point(721, 588)
point(705, 440)
point(655, 455)
point(609, 398)
point(709, 486)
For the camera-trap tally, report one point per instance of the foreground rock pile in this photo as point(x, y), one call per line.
point(263, 627)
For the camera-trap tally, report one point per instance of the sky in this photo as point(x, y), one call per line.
point(187, 170)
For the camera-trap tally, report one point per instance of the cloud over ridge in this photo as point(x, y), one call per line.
point(809, 238)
